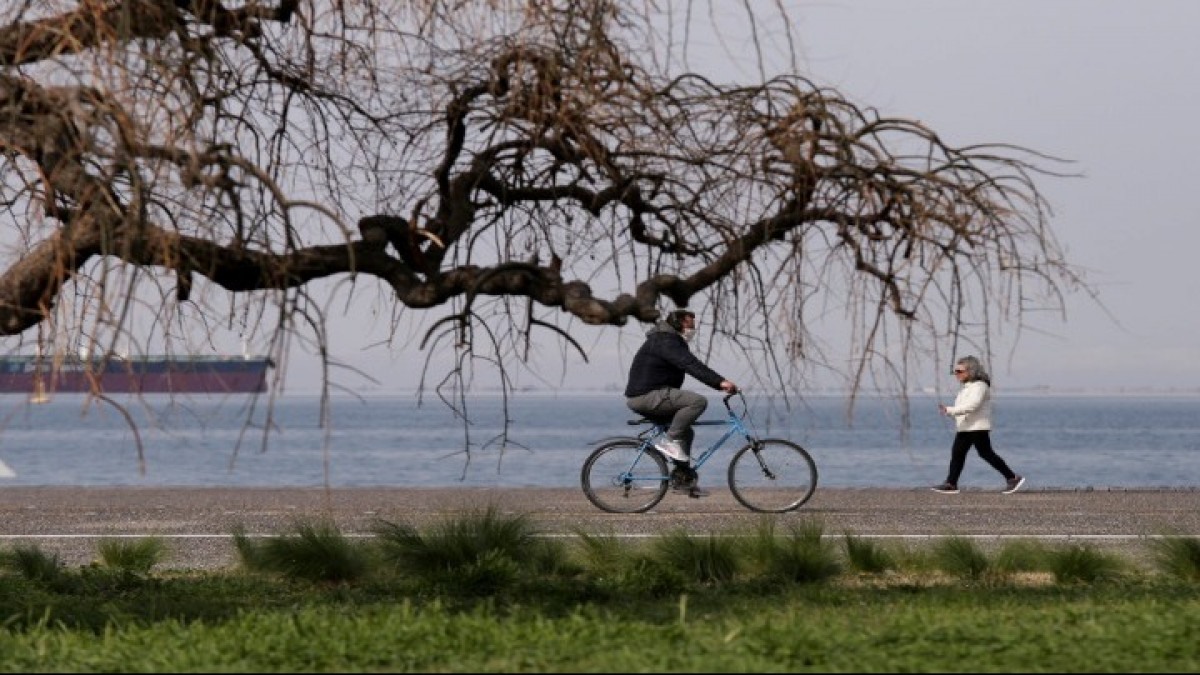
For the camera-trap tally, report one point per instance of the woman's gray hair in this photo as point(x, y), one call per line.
point(974, 369)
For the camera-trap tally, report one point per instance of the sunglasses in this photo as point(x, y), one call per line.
point(959, 372)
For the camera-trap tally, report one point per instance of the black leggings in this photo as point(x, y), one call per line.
point(982, 440)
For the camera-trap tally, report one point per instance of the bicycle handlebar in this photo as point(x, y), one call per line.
point(726, 397)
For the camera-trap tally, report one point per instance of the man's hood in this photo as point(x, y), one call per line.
point(661, 327)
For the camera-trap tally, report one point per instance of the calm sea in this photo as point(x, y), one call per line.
point(1059, 441)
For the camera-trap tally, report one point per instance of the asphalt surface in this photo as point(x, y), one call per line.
point(197, 523)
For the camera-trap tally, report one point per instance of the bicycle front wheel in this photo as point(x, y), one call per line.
point(772, 476)
point(625, 477)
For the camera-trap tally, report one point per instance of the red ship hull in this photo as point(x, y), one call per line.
point(151, 375)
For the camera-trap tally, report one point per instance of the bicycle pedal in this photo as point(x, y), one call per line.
point(697, 493)
point(684, 472)
point(683, 478)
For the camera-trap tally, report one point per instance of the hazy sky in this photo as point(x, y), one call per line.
point(1108, 84)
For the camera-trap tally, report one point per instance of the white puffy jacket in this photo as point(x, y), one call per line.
point(972, 409)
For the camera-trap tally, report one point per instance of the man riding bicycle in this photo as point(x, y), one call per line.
point(655, 378)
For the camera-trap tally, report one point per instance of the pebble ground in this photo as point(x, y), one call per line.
point(197, 523)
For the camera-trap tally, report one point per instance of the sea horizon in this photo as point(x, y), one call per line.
point(540, 439)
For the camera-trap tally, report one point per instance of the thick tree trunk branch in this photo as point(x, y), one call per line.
point(196, 136)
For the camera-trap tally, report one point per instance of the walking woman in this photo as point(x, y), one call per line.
point(972, 413)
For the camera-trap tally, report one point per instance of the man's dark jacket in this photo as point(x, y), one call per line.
point(663, 360)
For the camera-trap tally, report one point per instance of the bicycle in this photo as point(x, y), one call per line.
point(627, 474)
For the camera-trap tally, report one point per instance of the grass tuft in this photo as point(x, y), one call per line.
point(138, 556)
point(602, 554)
point(1083, 563)
point(32, 563)
point(1021, 555)
point(707, 559)
point(1177, 556)
point(961, 558)
point(479, 552)
point(801, 556)
point(312, 552)
point(624, 569)
point(867, 555)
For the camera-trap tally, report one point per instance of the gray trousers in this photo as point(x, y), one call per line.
point(677, 407)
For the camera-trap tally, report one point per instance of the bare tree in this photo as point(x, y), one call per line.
point(511, 167)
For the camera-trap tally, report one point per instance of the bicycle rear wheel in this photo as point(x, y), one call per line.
point(622, 477)
point(772, 476)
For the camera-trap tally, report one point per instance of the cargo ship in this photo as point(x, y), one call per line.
point(42, 376)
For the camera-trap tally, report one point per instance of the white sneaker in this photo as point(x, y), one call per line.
point(672, 449)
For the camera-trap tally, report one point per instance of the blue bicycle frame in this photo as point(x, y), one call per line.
point(648, 437)
point(735, 424)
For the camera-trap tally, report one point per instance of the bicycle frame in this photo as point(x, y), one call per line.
point(733, 421)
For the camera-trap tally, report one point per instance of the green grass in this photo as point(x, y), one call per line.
point(798, 628)
point(484, 592)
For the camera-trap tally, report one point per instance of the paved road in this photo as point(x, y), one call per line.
point(197, 522)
